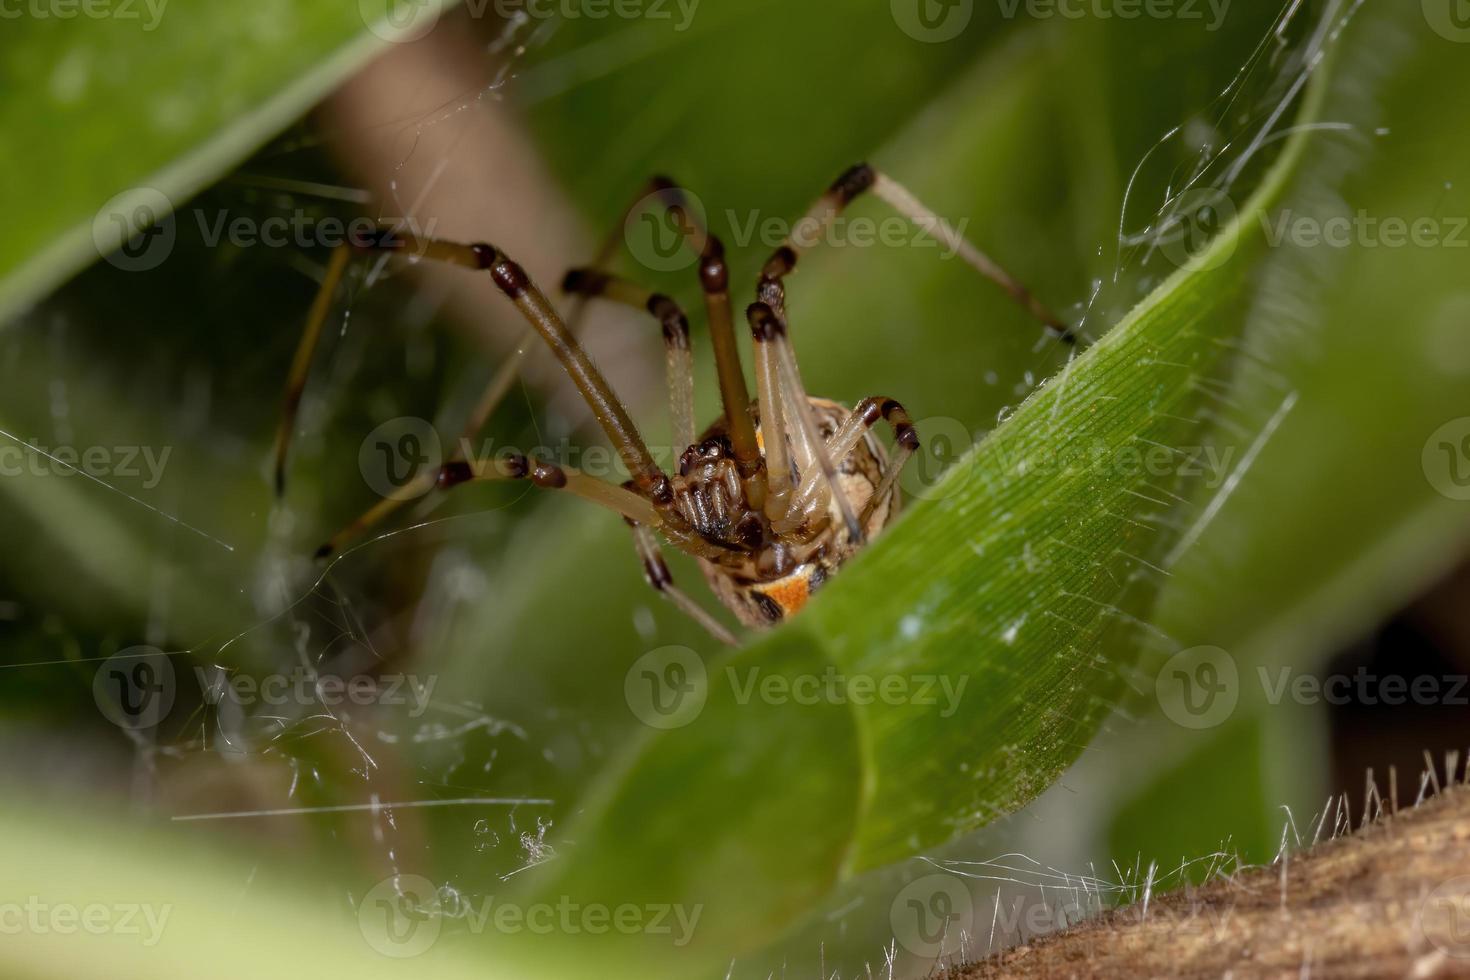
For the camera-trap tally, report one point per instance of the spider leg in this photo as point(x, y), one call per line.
point(656, 572)
point(907, 438)
point(512, 280)
point(495, 390)
point(785, 406)
point(494, 393)
point(714, 280)
point(855, 181)
point(301, 361)
point(764, 329)
point(858, 422)
point(677, 354)
point(544, 473)
point(512, 466)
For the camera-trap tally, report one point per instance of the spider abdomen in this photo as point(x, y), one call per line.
point(774, 580)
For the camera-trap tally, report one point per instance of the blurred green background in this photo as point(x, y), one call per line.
point(1161, 175)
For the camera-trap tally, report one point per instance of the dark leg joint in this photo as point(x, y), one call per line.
point(657, 573)
point(548, 475)
point(906, 436)
point(781, 262)
point(509, 276)
point(584, 282)
point(673, 320)
point(854, 181)
point(453, 474)
point(714, 276)
point(661, 491)
point(764, 324)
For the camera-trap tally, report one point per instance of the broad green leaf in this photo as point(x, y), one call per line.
point(1349, 509)
point(109, 898)
point(111, 108)
point(1021, 576)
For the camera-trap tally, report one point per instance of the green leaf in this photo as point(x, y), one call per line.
point(1019, 581)
point(142, 105)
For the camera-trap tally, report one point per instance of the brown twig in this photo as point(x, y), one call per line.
point(1392, 900)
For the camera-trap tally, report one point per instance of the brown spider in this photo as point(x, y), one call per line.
point(769, 519)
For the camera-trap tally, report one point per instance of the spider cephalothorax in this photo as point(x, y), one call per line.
point(779, 492)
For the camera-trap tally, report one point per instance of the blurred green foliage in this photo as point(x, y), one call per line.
point(1031, 584)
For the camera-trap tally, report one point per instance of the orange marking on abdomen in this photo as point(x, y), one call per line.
point(790, 594)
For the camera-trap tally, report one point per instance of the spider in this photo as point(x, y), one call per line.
point(774, 496)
